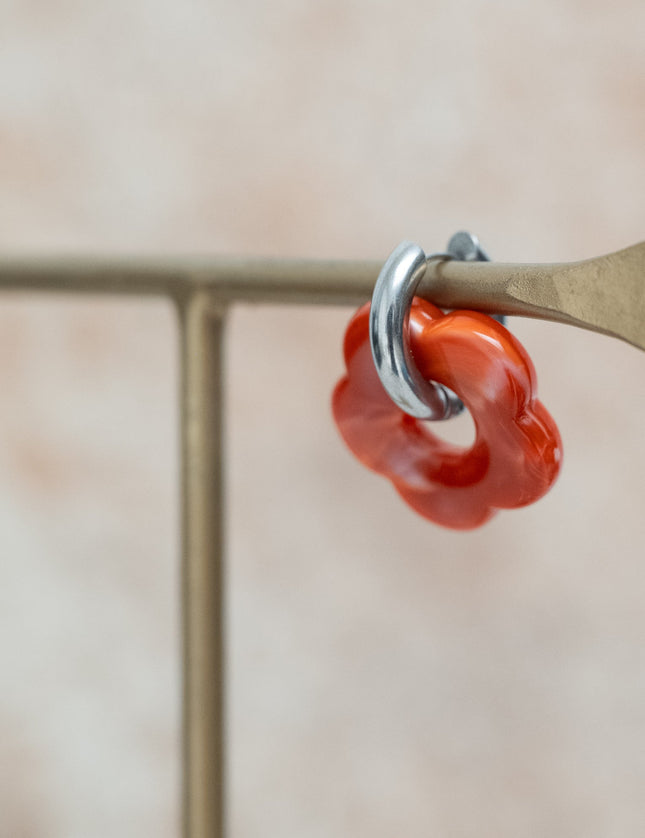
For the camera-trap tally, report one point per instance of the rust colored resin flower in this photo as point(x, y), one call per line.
point(516, 455)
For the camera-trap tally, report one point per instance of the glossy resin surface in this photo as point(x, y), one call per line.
point(516, 455)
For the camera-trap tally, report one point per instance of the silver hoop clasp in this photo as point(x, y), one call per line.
point(389, 314)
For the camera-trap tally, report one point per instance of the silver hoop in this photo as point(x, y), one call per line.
point(389, 315)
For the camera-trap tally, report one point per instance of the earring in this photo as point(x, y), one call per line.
point(407, 363)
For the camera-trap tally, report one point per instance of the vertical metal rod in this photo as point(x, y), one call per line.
point(202, 329)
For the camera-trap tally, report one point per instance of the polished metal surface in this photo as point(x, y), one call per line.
point(391, 300)
point(389, 313)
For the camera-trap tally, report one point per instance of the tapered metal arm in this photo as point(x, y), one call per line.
point(606, 294)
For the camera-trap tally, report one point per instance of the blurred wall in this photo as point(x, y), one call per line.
point(387, 677)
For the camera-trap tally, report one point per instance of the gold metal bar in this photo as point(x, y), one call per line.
point(232, 279)
point(202, 323)
point(605, 295)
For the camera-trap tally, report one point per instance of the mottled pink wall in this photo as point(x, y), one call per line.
point(387, 678)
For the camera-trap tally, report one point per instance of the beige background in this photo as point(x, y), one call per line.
point(388, 678)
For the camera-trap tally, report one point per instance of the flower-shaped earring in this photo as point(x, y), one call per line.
point(418, 364)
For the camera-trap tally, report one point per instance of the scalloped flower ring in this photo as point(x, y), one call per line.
point(516, 455)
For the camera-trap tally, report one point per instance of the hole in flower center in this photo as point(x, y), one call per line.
point(459, 430)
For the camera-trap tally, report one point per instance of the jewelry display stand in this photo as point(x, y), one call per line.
point(605, 294)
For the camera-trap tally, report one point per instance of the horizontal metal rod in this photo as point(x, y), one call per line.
point(606, 294)
point(230, 279)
